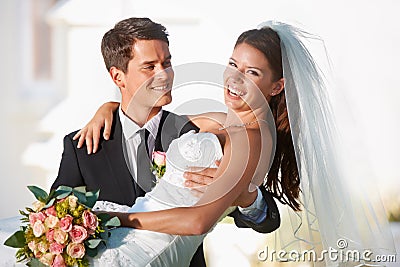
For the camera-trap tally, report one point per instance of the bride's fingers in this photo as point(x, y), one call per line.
point(89, 142)
point(107, 128)
point(78, 134)
point(96, 137)
point(82, 136)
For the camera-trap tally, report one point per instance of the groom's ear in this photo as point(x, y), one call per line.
point(117, 76)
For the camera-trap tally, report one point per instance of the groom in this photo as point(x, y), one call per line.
point(136, 54)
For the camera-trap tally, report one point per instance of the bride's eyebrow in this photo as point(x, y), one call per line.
point(249, 67)
point(256, 68)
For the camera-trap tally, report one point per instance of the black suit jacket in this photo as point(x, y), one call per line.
point(107, 170)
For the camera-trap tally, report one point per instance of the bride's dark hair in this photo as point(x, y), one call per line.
point(283, 178)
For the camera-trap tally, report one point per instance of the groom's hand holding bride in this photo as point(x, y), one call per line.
point(198, 179)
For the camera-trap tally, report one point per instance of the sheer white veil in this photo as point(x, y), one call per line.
point(333, 215)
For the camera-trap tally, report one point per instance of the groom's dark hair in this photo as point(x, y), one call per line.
point(118, 42)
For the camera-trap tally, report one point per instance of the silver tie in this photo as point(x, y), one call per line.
point(145, 178)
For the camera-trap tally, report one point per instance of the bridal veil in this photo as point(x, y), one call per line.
point(335, 216)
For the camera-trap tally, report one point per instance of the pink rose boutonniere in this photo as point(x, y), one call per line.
point(61, 229)
point(159, 164)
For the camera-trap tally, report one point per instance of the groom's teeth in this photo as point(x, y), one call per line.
point(160, 88)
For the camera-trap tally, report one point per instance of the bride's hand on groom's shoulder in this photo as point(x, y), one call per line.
point(92, 130)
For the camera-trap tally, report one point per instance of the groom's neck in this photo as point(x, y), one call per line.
point(140, 115)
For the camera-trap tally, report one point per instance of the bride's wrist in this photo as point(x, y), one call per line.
point(249, 200)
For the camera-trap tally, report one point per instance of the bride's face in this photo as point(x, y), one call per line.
point(248, 78)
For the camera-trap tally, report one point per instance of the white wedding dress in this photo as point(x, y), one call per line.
point(132, 247)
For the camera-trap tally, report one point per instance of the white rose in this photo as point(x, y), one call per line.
point(51, 221)
point(73, 202)
point(38, 205)
point(38, 228)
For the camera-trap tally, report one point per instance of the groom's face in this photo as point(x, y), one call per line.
point(148, 80)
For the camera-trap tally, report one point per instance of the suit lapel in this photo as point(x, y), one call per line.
point(114, 152)
point(164, 134)
point(171, 127)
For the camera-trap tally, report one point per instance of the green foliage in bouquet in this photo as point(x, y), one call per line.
point(60, 228)
point(157, 170)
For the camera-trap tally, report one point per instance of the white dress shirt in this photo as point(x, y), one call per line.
point(131, 140)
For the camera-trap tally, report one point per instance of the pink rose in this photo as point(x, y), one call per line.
point(75, 250)
point(60, 236)
point(66, 223)
point(50, 235)
point(51, 221)
point(37, 254)
point(78, 234)
point(56, 248)
point(159, 158)
point(51, 211)
point(33, 217)
point(90, 220)
point(47, 259)
point(38, 228)
point(58, 261)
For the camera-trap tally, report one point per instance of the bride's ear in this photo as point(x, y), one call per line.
point(278, 87)
point(118, 77)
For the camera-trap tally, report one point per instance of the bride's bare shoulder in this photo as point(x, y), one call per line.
point(208, 120)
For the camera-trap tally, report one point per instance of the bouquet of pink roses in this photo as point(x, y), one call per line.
point(60, 229)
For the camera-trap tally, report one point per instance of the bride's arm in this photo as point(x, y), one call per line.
point(219, 196)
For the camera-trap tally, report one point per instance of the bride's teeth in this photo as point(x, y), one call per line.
point(234, 92)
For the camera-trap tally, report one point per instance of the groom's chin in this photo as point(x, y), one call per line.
point(164, 100)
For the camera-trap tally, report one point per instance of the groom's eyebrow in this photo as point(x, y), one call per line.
point(155, 61)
